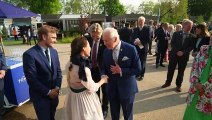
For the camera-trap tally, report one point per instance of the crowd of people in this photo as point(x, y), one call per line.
point(113, 60)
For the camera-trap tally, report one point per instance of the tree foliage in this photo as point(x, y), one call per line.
point(82, 6)
point(112, 7)
point(172, 11)
point(45, 6)
point(39, 6)
point(146, 8)
point(200, 8)
point(19, 3)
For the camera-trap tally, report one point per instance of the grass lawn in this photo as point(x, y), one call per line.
point(12, 42)
point(20, 42)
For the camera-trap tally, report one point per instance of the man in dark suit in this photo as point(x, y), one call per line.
point(97, 46)
point(121, 64)
point(162, 46)
point(182, 43)
point(141, 38)
point(126, 33)
point(3, 69)
point(43, 73)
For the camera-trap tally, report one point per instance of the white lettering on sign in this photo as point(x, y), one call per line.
point(22, 79)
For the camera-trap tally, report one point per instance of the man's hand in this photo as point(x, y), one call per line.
point(54, 93)
point(115, 69)
point(180, 53)
point(2, 74)
point(137, 41)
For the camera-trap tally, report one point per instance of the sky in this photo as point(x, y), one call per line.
point(135, 3)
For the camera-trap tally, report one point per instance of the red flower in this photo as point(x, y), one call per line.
point(207, 108)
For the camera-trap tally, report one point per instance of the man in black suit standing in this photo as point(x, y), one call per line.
point(162, 37)
point(141, 38)
point(97, 45)
point(182, 43)
point(125, 33)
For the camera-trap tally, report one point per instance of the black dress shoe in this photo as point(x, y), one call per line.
point(165, 85)
point(105, 114)
point(162, 65)
point(140, 78)
point(178, 89)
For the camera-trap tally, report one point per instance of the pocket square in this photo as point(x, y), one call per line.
point(125, 58)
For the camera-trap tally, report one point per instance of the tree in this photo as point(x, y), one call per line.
point(45, 6)
point(38, 6)
point(112, 7)
point(131, 9)
point(173, 11)
point(199, 19)
point(19, 3)
point(200, 8)
point(146, 8)
point(82, 6)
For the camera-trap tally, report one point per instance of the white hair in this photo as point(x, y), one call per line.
point(141, 18)
point(187, 21)
point(112, 32)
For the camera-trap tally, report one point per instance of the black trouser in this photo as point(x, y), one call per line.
point(29, 39)
point(150, 46)
point(143, 56)
point(16, 37)
point(160, 55)
point(182, 63)
point(96, 77)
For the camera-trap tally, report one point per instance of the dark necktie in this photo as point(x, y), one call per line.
point(47, 54)
point(94, 51)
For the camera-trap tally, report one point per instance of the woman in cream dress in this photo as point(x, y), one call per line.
point(82, 102)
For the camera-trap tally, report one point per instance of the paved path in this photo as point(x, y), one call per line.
point(151, 103)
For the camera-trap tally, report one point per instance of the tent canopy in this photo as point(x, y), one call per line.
point(10, 11)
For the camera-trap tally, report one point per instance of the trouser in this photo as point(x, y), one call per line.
point(45, 108)
point(182, 63)
point(127, 106)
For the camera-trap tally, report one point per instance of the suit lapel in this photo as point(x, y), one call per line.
point(43, 57)
point(121, 53)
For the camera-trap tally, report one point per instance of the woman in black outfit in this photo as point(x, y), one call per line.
point(202, 38)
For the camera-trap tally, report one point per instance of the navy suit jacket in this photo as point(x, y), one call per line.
point(124, 85)
point(39, 75)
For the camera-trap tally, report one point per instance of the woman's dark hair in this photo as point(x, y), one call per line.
point(204, 30)
point(76, 47)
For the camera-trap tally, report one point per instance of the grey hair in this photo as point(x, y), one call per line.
point(187, 21)
point(141, 18)
point(112, 32)
point(95, 27)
